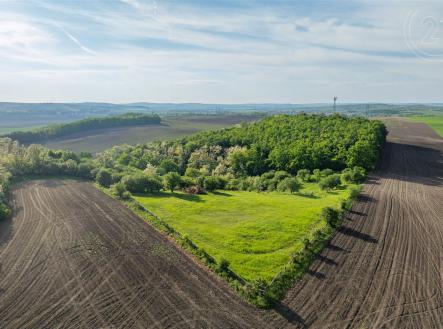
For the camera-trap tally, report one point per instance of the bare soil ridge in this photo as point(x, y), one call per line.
point(72, 257)
point(384, 267)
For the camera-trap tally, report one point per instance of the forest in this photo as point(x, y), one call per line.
point(43, 134)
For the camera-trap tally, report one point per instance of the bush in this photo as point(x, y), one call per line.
point(326, 172)
point(212, 183)
point(355, 175)
point(171, 181)
point(104, 177)
point(316, 175)
point(332, 216)
point(329, 182)
point(4, 211)
point(289, 184)
point(120, 191)
point(303, 175)
point(281, 174)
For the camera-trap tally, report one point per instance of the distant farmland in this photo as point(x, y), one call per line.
point(171, 128)
point(435, 122)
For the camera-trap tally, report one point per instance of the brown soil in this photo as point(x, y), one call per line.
point(383, 269)
point(72, 257)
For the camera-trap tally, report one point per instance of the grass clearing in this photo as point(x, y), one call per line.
point(255, 232)
point(435, 122)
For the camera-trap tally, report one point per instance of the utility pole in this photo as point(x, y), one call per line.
point(335, 101)
point(367, 110)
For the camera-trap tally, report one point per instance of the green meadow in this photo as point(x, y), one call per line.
point(435, 122)
point(255, 232)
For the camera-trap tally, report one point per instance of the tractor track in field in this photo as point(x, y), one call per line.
point(72, 257)
point(384, 267)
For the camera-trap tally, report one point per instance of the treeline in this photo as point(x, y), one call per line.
point(282, 142)
point(59, 130)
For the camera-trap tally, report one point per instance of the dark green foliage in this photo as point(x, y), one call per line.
point(104, 177)
point(167, 166)
point(332, 216)
point(329, 182)
point(354, 175)
point(4, 211)
point(59, 130)
point(85, 169)
point(223, 265)
point(212, 183)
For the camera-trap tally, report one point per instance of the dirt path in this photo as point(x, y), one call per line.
point(74, 258)
point(384, 267)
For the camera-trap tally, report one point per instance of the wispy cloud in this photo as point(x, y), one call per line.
point(227, 51)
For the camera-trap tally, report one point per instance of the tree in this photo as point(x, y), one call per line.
point(329, 182)
point(167, 166)
point(289, 184)
point(332, 216)
point(104, 177)
point(171, 181)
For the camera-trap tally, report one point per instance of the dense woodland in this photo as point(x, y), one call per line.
point(43, 134)
point(277, 153)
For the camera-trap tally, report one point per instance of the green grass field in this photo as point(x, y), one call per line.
point(436, 122)
point(255, 232)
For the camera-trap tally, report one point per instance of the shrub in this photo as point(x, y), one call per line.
point(104, 177)
point(332, 216)
point(120, 191)
point(303, 175)
point(316, 175)
point(281, 174)
point(326, 172)
point(329, 182)
point(4, 211)
point(212, 183)
point(289, 184)
point(171, 181)
point(354, 175)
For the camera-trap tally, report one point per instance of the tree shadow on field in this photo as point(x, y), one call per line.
point(165, 195)
point(356, 234)
point(289, 314)
point(308, 195)
point(315, 274)
point(219, 193)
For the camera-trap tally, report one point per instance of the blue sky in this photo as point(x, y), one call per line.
point(221, 51)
